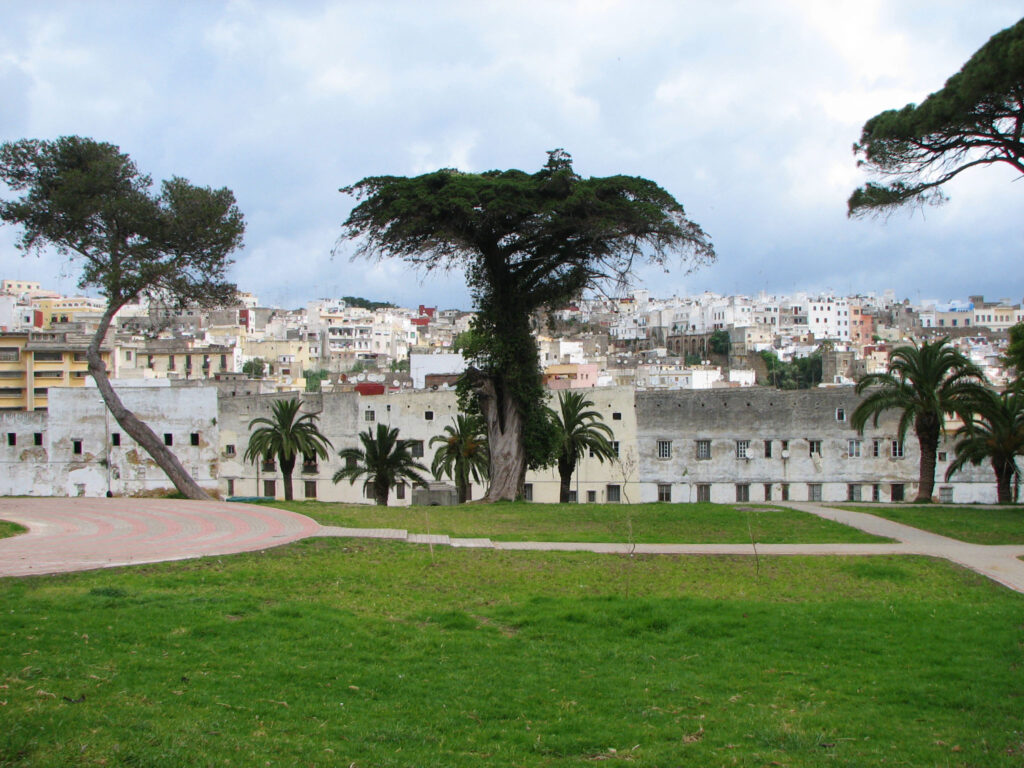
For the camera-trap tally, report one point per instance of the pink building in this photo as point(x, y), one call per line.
point(570, 376)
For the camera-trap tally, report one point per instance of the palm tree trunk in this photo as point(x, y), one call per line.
point(381, 491)
point(287, 467)
point(565, 470)
point(130, 423)
point(1004, 474)
point(928, 439)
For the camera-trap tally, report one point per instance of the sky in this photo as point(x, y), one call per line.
point(746, 112)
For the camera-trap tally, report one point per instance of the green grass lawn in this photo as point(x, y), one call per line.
point(642, 523)
point(10, 529)
point(343, 652)
point(977, 525)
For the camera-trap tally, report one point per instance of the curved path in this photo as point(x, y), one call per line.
point(84, 533)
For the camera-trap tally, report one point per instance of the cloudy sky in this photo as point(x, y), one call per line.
point(744, 111)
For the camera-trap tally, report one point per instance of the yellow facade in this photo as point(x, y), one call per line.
point(32, 363)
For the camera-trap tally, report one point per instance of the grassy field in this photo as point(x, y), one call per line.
point(642, 523)
point(9, 529)
point(341, 652)
point(977, 525)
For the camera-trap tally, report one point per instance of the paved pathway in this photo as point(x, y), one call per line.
point(83, 533)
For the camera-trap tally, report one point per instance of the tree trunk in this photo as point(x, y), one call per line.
point(130, 423)
point(1004, 474)
point(565, 470)
point(287, 467)
point(381, 491)
point(461, 489)
point(504, 438)
point(927, 429)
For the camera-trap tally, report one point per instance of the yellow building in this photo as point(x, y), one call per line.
point(33, 362)
point(68, 309)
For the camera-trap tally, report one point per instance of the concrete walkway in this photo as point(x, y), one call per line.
point(84, 533)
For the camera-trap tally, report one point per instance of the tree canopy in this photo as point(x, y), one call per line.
point(526, 242)
point(286, 435)
point(976, 119)
point(89, 201)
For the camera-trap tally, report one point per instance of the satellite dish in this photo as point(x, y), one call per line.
point(394, 382)
point(360, 377)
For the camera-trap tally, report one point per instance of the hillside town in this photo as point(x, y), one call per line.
point(688, 384)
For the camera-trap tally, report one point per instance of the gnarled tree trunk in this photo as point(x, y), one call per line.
point(504, 437)
point(130, 423)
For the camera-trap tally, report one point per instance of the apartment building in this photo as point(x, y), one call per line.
point(32, 363)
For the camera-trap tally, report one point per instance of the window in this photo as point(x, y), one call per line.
point(897, 449)
point(767, 491)
point(270, 488)
point(369, 416)
point(616, 416)
point(896, 493)
point(742, 492)
point(400, 491)
point(9, 354)
point(703, 449)
point(876, 448)
point(854, 449)
point(853, 492)
point(231, 486)
point(48, 357)
point(572, 497)
point(814, 491)
point(194, 438)
point(416, 448)
point(37, 438)
point(310, 489)
point(12, 438)
point(591, 497)
point(115, 439)
point(784, 492)
point(229, 449)
point(428, 415)
point(876, 492)
point(76, 447)
point(840, 414)
point(168, 438)
point(664, 492)
point(367, 490)
point(528, 492)
point(814, 448)
point(785, 446)
point(742, 446)
point(613, 494)
point(767, 449)
point(170, 362)
point(350, 462)
point(946, 495)
point(942, 455)
point(703, 493)
point(615, 448)
point(664, 449)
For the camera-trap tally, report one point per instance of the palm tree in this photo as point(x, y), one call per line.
point(924, 382)
point(384, 459)
point(462, 454)
point(285, 437)
point(579, 431)
point(996, 433)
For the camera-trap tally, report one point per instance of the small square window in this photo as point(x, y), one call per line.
point(664, 449)
point(785, 445)
point(854, 449)
point(946, 495)
point(742, 448)
point(742, 492)
point(664, 492)
point(814, 448)
point(897, 449)
point(572, 497)
point(12, 438)
point(168, 438)
point(369, 416)
point(310, 490)
point(613, 494)
point(853, 492)
point(416, 448)
point(840, 414)
point(76, 447)
point(814, 491)
point(703, 449)
point(942, 455)
point(37, 438)
point(229, 449)
point(876, 448)
point(194, 438)
point(897, 492)
point(616, 416)
point(703, 493)
point(428, 415)
point(115, 439)
point(591, 497)
point(270, 488)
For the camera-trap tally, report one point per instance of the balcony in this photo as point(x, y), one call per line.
point(310, 467)
point(270, 466)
